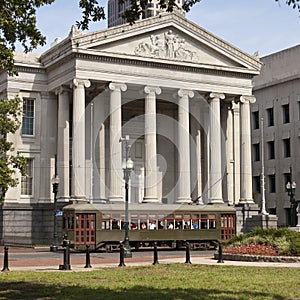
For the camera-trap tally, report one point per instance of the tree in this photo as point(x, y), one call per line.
point(10, 113)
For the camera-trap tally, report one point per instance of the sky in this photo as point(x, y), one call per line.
point(265, 26)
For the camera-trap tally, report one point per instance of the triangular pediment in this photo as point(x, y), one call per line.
point(169, 38)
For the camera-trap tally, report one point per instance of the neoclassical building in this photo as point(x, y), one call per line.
point(164, 91)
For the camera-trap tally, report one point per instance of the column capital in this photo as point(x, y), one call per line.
point(152, 89)
point(214, 95)
point(77, 82)
point(248, 99)
point(184, 93)
point(62, 89)
point(117, 86)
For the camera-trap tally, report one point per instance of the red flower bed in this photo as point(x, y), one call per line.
point(252, 249)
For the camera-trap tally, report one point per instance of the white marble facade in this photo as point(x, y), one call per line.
point(181, 94)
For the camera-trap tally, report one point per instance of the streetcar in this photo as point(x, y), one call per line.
point(102, 226)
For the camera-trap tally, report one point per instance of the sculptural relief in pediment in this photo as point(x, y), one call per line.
point(165, 45)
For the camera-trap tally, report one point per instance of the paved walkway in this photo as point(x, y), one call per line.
point(43, 260)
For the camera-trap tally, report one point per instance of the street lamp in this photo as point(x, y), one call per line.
point(55, 184)
point(127, 168)
point(291, 189)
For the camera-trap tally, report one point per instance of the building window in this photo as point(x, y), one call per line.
point(286, 113)
point(256, 184)
point(272, 184)
point(270, 116)
point(287, 178)
point(26, 181)
point(271, 150)
point(28, 116)
point(255, 119)
point(287, 147)
point(256, 152)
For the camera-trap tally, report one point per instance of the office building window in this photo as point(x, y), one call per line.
point(256, 152)
point(287, 178)
point(287, 147)
point(27, 181)
point(28, 116)
point(272, 184)
point(271, 150)
point(255, 120)
point(256, 184)
point(286, 113)
point(270, 116)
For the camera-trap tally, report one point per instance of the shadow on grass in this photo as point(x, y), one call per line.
point(36, 291)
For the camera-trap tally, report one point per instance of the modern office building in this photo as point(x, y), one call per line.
point(116, 11)
point(180, 94)
point(277, 92)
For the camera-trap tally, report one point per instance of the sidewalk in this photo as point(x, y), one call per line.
point(42, 260)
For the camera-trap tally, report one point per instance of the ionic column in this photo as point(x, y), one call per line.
point(229, 156)
point(199, 167)
point(150, 144)
point(63, 147)
point(78, 149)
point(246, 168)
point(184, 184)
point(215, 149)
point(102, 161)
point(236, 150)
point(115, 133)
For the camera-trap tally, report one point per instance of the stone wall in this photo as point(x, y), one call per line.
point(28, 224)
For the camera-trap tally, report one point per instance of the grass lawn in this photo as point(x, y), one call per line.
point(172, 281)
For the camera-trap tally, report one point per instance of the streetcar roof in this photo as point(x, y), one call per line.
point(149, 207)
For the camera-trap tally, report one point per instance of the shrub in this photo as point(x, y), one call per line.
point(283, 241)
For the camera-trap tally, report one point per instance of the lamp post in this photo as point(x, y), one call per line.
point(127, 168)
point(291, 189)
point(55, 184)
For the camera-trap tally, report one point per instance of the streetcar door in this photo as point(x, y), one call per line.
point(85, 229)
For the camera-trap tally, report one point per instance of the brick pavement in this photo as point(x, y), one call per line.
point(31, 259)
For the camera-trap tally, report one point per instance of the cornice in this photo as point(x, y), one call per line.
point(27, 69)
point(166, 65)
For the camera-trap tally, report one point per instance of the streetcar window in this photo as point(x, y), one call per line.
point(161, 223)
point(203, 224)
point(105, 225)
point(212, 224)
point(115, 224)
point(187, 217)
point(71, 223)
point(212, 221)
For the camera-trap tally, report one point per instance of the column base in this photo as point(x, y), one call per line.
point(78, 199)
point(246, 201)
point(216, 201)
point(151, 200)
point(116, 199)
point(184, 200)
